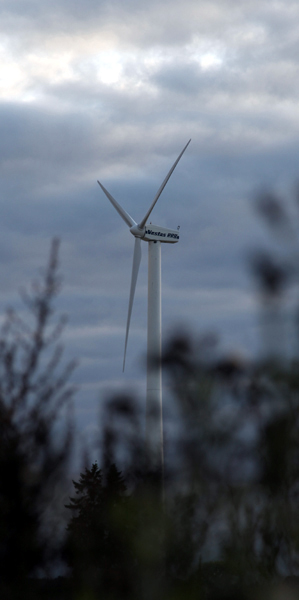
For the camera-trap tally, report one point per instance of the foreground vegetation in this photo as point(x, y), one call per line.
point(226, 522)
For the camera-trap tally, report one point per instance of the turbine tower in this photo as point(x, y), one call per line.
point(154, 235)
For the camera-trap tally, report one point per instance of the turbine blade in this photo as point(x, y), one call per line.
point(121, 211)
point(161, 188)
point(135, 269)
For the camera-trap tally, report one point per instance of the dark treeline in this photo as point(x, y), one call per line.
point(225, 522)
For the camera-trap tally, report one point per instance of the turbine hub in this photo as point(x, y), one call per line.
point(137, 231)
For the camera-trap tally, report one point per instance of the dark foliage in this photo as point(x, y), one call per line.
point(33, 391)
point(100, 533)
point(226, 523)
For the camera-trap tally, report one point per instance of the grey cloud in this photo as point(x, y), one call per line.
point(144, 24)
point(179, 78)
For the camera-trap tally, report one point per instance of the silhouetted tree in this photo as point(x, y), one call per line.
point(98, 545)
point(228, 523)
point(34, 389)
point(228, 526)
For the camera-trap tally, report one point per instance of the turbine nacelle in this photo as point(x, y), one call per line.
point(160, 234)
point(153, 233)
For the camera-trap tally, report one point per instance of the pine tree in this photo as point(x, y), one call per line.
point(95, 546)
point(89, 490)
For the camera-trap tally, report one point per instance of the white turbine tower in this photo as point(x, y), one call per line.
point(154, 235)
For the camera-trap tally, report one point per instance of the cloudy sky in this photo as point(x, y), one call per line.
point(113, 90)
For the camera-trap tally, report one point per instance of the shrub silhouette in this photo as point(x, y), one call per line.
point(34, 389)
point(226, 524)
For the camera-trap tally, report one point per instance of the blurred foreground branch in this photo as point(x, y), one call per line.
point(34, 444)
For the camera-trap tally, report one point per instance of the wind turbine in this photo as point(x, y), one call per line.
point(154, 235)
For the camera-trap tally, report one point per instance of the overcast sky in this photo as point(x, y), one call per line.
point(112, 90)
